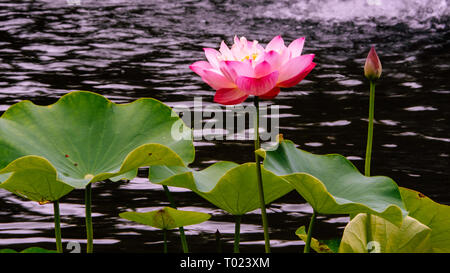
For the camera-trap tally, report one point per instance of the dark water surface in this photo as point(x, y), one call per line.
point(131, 49)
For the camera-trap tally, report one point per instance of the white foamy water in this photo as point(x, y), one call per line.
point(408, 11)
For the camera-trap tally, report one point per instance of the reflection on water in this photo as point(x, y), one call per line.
point(126, 50)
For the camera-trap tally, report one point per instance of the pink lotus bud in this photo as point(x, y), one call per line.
point(372, 68)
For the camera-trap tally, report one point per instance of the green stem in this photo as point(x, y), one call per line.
point(165, 240)
point(218, 242)
point(369, 229)
point(184, 244)
point(259, 176)
point(369, 152)
point(89, 230)
point(57, 226)
point(370, 130)
point(237, 233)
point(310, 230)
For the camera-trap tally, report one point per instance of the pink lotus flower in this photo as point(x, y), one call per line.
point(250, 69)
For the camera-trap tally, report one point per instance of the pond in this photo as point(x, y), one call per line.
point(131, 49)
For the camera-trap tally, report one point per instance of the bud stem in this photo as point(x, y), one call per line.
point(370, 130)
point(369, 152)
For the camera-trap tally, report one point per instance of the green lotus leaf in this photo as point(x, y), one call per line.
point(434, 215)
point(227, 185)
point(166, 218)
point(37, 250)
point(411, 237)
point(319, 246)
point(85, 138)
point(8, 250)
point(42, 186)
point(28, 250)
point(331, 184)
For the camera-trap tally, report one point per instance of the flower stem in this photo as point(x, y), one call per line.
point(165, 240)
point(184, 244)
point(57, 226)
point(89, 230)
point(369, 152)
point(309, 235)
point(259, 176)
point(237, 232)
point(370, 130)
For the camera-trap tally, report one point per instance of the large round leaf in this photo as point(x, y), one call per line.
point(166, 218)
point(84, 138)
point(411, 237)
point(331, 184)
point(434, 215)
point(227, 185)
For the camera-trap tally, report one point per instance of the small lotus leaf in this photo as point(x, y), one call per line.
point(318, 245)
point(166, 218)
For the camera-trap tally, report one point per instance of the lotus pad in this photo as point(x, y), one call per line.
point(331, 184)
point(28, 250)
point(411, 237)
point(434, 215)
point(227, 185)
point(166, 218)
point(84, 138)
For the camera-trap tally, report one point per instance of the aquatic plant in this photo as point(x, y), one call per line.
point(331, 184)
point(320, 246)
point(28, 250)
point(434, 215)
point(425, 229)
point(411, 237)
point(372, 66)
point(227, 185)
point(166, 219)
point(46, 151)
point(250, 69)
point(372, 71)
point(37, 184)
